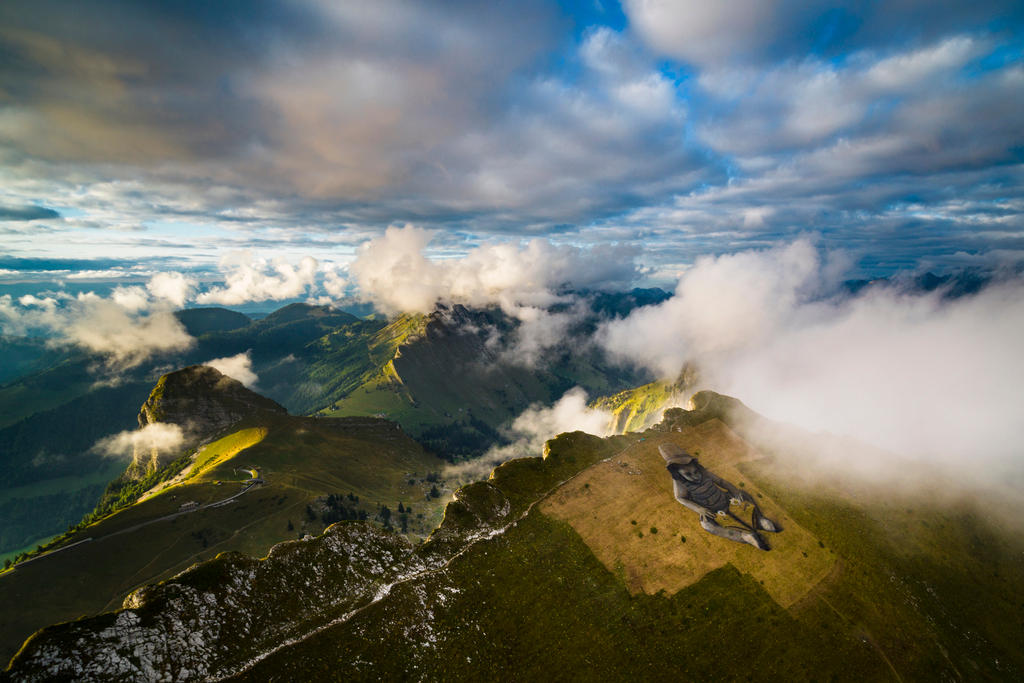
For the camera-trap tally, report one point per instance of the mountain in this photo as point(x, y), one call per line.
point(581, 565)
point(51, 418)
point(451, 378)
point(250, 476)
point(199, 321)
point(203, 401)
point(448, 378)
point(639, 408)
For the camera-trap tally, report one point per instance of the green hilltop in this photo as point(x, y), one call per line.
point(519, 581)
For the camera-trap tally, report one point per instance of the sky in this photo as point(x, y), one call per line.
point(748, 156)
point(195, 137)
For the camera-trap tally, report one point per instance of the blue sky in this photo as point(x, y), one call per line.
point(145, 137)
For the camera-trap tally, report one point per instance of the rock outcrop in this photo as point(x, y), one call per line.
point(203, 402)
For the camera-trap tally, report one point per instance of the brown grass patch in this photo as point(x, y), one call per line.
point(602, 503)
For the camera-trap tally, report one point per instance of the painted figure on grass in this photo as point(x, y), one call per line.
point(710, 496)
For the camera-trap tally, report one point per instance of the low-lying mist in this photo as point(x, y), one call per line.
point(531, 429)
point(931, 378)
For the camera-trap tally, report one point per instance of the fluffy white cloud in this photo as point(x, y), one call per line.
point(116, 328)
point(918, 374)
point(710, 34)
point(256, 279)
point(720, 305)
point(705, 32)
point(174, 288)
point(132, 299)
point(237, 367)
point(799, 104)
point(395, 273)
point(159, 437)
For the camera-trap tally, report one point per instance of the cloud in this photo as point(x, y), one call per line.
point(919, 374)
point(26, 213)
point(174, 288)
point(799, 105)
point(395, 273)
point(237, 367)
point(696, 128)
point(525, 280)
point(757, 31)
point(532, 428)
point(159, 437)
point(256, 279)
point(117, 328)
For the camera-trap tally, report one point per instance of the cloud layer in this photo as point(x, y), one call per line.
point(917, 373)
point(889, 128)
point(237, 367)
point(126, 328)
point(397, 275)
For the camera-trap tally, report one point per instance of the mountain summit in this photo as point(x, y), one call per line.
point(203, 401)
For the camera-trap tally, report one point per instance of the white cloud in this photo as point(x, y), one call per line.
point(335, 282)
point(535, 426)
point(394, 272)
point(917, 374)
point(116, 327)
point(256, 279)
point(175, 288)
point(237, 367)
point(132, 299)
point(704, 32)
point(161, 437)
point(719, 305)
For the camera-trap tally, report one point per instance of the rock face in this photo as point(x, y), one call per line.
point(202, 401)
point(218, 617)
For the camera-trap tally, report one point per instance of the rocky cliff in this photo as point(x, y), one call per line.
point(203, 401)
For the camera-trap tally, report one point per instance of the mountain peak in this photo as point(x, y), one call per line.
point(203, 401)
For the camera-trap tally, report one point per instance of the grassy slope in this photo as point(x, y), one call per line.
point(624, 511)
point(934, 595)
point(535, 602)
point(636, 409)
point(453, 390)
point(300, 458)
point(53, 417)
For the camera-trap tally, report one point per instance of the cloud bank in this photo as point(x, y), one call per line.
point(696, 127)
point(396, 274)
point(126, 328)
point(920, 374)
point(250, 278)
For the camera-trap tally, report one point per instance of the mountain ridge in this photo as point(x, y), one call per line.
point(501, 577)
